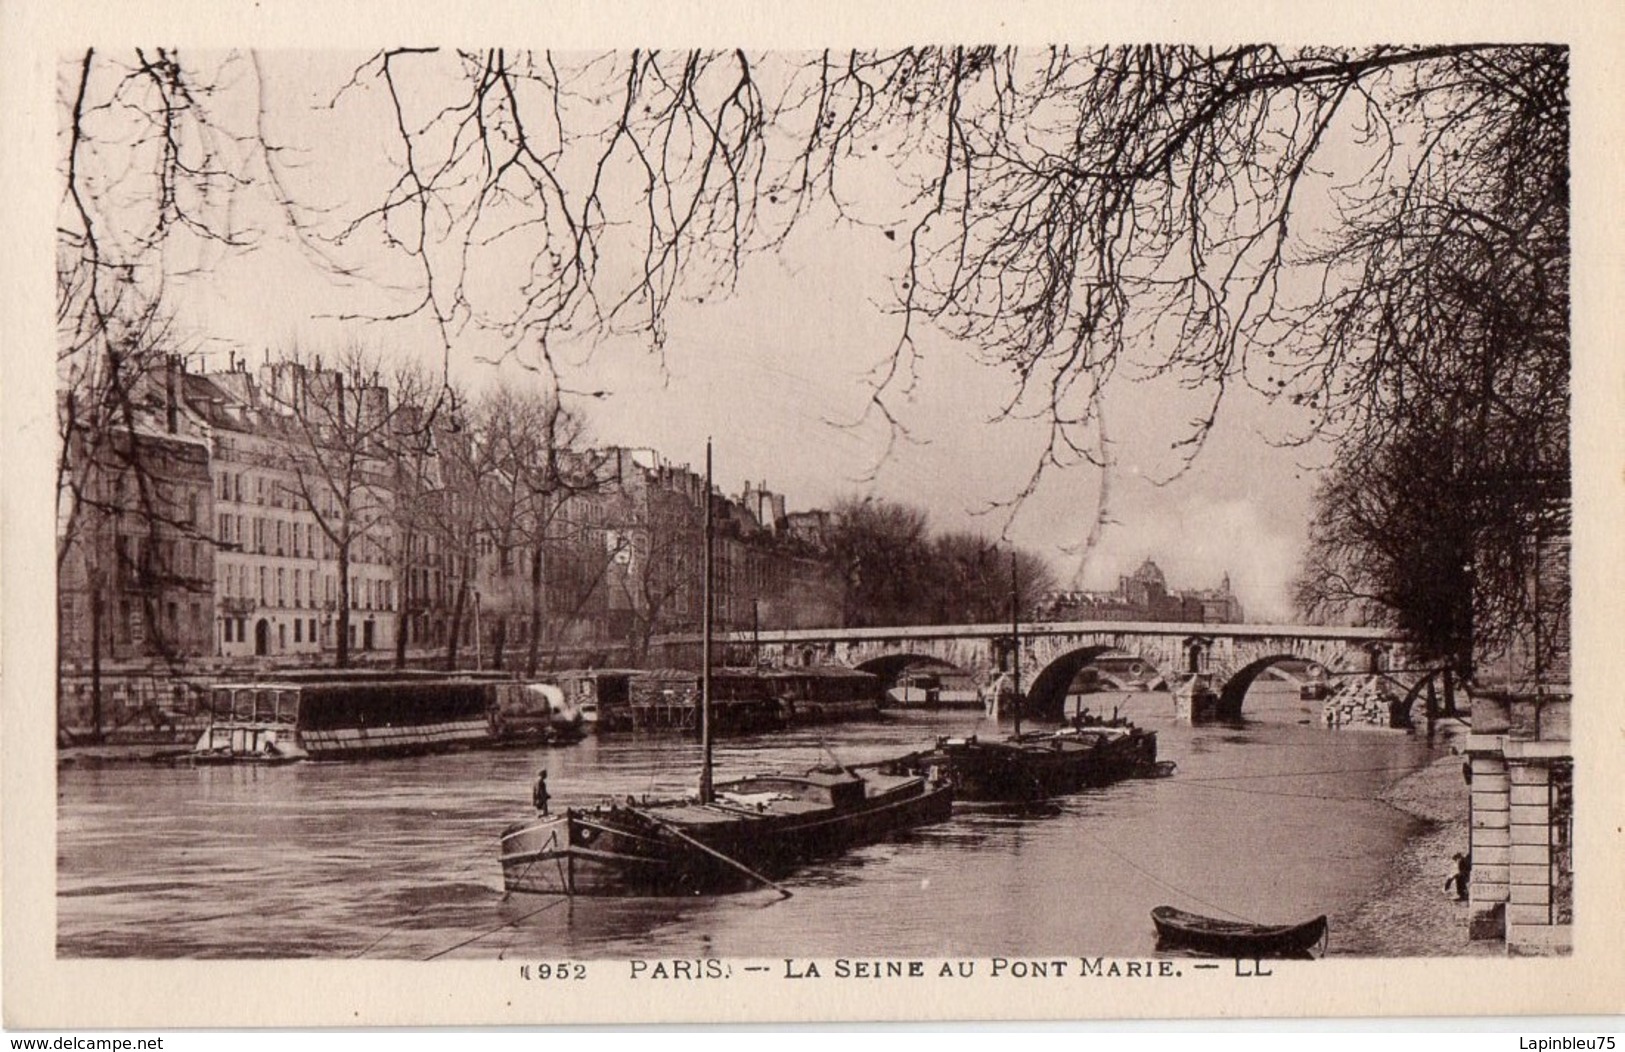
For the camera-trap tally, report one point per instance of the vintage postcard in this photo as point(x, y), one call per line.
point(656, 514)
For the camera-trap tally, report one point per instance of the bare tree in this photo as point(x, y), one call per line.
point(341, 426)
point(434, 505)
point(1242, 217)
point(1449, 490)
point(1159, 211)
point(664, 534)
point(539, 461)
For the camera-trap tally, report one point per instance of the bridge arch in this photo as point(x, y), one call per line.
point(892, 667)
point(1046, 697)
point(1234, 690)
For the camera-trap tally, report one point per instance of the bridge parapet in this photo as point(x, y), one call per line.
point(1052, 653)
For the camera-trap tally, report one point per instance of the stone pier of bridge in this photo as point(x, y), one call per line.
point(1207, 668)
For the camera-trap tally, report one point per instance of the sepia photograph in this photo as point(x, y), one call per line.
point(923, 529)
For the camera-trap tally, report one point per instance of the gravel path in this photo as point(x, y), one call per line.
point(1412, 914)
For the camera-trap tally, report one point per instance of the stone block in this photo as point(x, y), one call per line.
point(1489, 819)
point(1528, 774)
point(1517, 914)
point(1487, 890)
point(1540, 940)
point(1521, 874)
point(1555, 722)
point(1531, 895)
point(1491, 800)
point(1525, 719)
point(1530, 855)
point(1495, 782)
point(1490, 715)
point(1530, 795)
point(1500, 837)
point(1531, 834)
point(1486, 857)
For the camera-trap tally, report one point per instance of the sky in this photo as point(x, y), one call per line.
point(779, 372)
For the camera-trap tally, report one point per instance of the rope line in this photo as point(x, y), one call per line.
point(1304, 774)
point(480, 858)
point(1294, 796)
point(1153, 878)
point(492, 931)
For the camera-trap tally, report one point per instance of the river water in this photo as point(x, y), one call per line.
point(1274, 819)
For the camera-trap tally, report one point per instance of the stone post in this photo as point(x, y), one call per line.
point(1489, 844)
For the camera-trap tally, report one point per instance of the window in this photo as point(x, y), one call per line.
point(224, 535)
point(298, 630)
point(281, 591)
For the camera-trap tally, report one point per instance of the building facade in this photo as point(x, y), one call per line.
point(292, 512)
point(1144, 596)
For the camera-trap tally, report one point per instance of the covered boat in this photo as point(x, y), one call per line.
point(749, 832)
point(252, 723)
point(1210, 935)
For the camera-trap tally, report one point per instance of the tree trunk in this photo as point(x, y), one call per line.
point(342, 659)
point(456, 624)
point(500, 641)
point(96, 657)
point(405, 603)
point(535, 612)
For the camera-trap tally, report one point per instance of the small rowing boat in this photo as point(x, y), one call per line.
point(1192, 931)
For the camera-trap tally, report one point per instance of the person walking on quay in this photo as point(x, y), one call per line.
point(1461, 877)
point(539, 795)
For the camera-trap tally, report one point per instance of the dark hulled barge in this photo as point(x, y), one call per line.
point(751, 831)
point(728, 836)
point(1037, 765)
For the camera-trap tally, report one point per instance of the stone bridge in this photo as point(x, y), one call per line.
point(1219, 660)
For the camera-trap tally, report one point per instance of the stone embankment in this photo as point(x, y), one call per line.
point(1360, 704)
point(1412, 913)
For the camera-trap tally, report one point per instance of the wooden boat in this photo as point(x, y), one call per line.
point(726, 837)
point(751, 831)
point(1038, 765)
point(1026, 768)
point(1210, 935)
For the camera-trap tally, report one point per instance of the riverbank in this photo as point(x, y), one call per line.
point(1412, 914)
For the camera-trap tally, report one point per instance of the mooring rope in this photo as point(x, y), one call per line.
point(1153, 878)
point(481, 857)
point(1196, 784)
point(561, 900)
